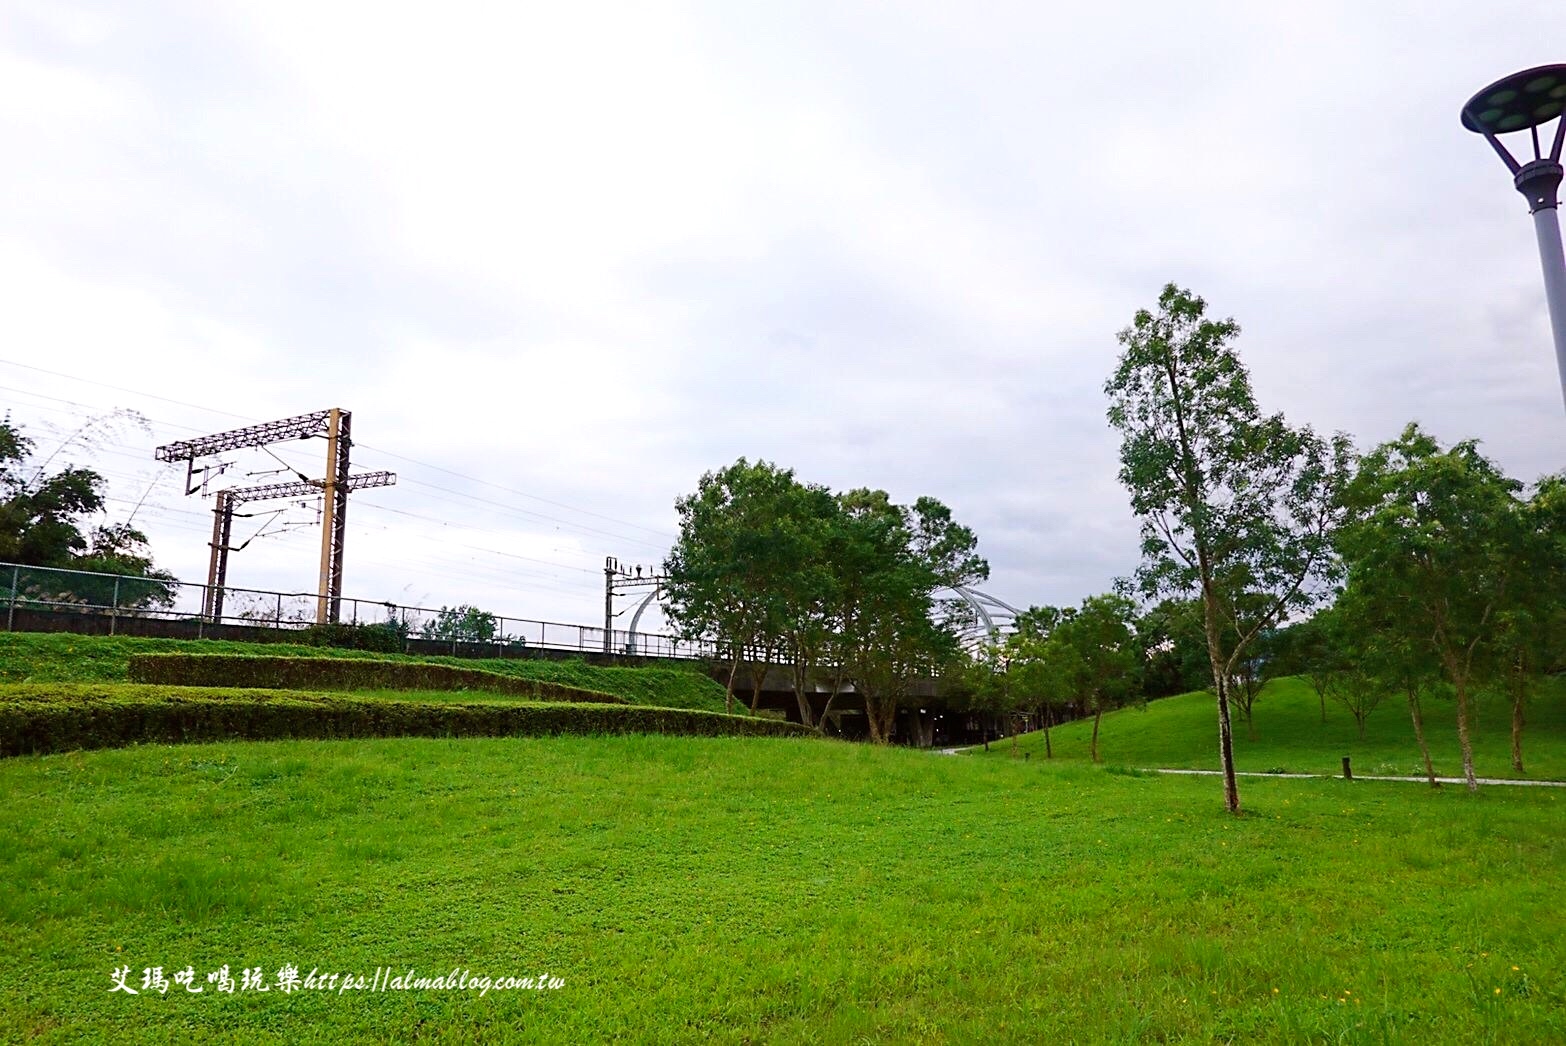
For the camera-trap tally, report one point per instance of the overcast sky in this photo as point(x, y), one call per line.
point(560, 259)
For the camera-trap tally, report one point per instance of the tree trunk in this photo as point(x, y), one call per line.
point(1463, 738)
point(1231, 785)
point(758, 676)
point(1359, 721)
point(1321, 694)
point(1098, 713)
point(825, 711)
point(1419, 735)
point(728, 697)
point(1517, 723)
point(880, 712)
point(1048, 715)
point(801, 674)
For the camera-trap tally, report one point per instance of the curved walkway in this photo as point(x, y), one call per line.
point(1315, 777)
point(1370, 777)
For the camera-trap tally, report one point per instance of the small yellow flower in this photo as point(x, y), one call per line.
point(1514, 969)
point(1497, 991)
point(1275, 991)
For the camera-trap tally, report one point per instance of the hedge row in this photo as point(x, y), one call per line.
point(333, 673)
point(43, 718)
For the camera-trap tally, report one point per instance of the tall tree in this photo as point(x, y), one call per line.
point(728, 572)
point(896, 559)
point(808, 589)
point(1436, 547)
point(1236, 507)
point(1531, 626)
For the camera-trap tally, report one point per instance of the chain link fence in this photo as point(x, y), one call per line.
point(49, 599)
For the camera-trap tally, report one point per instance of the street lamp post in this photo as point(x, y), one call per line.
point(1522, 102)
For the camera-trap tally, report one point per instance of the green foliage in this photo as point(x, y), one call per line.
point(59, 717)
point(665, 879)
point(1174, 650)
point(43, 523)
point(1236, 507)
point(1088, 656)
point(1446, 557)
point(341, 674)
point(738, 543)
point(891, 561)
point(465, 624)
point(385, 637)
point(766, 565)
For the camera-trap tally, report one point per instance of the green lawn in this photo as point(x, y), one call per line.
point(57, 657)
point(1182, 732)
point(746, 890)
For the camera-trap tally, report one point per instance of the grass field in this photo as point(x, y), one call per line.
point(58, 657)
point(1182, 732)
point(741, 890)
point(745, 890)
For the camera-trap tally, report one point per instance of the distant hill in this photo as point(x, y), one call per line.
point(1182, 732)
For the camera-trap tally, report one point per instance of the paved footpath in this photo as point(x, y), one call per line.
point(1319, 777)
point(1371, 777)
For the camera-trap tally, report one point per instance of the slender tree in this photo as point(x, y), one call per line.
point(1093, 654)
point(1032, 678)
point(1236, 507)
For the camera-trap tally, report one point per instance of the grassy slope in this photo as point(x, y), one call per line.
point(745, 890)
point(1183, 732)
point(62, 657)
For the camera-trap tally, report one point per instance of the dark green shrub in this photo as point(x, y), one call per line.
point(383, 638)
point(329, 673)
point(57, 717)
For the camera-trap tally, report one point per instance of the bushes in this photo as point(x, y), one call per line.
point(326, 673)
point(385, 638)
point(57, 717)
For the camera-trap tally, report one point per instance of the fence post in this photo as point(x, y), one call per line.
point(10, 611)
point(278, 621)
point(114, 607)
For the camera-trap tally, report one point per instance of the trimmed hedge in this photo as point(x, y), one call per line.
point(331, 673)
point(60, 717)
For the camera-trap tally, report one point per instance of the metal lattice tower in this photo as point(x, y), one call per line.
point(335, 424)
point(223, 522)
